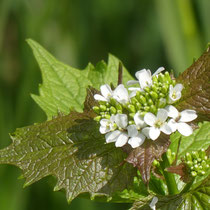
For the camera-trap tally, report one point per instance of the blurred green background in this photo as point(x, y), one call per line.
point(143, 34)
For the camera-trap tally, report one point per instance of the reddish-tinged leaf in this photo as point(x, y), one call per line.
point(143, 156)
point(181, 170)
point(196, 92)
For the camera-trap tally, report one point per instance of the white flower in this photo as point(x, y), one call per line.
point(175, 93)
point(157, 124)
point(107, 125)
point(120, 137)
point(144, 77)
point(153, 203)
point(179, 119)
point(106, 92)
point(121, 94)
point(137, 138)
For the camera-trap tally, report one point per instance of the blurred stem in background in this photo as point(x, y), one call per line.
point(143, 34)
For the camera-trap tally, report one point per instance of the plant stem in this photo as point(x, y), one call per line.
point(187, 186)
point(169, 177)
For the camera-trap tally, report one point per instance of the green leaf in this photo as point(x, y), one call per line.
point(194, 199)
point(64, 87)
point(196, 92)
point(71, 149)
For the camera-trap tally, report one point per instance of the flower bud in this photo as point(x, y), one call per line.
point(142, 99)
point(132, 115)
point(153, 109)
point(131, 108)
point(102, 108)
point(193, 173)
point(96, 109)
point(154, 95)
point(112, 110)
point(97, 119)
point(107, 116)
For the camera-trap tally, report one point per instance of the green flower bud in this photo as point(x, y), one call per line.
point(97, 119)
point(119, 111)
point(202, 153)
point(167, 76)
point(195, 154)
point(102, 108)
point(102, 102)
point(153, 109)
point(107, 116)
point(112, 110)
point(134, 100)
point(131, 108)
point(147, 89)
point(193, 173)
point(154, 88)
point(154, 79)
point(161, 78)
point(164, 89)
point(138, 106)
point(154, 95)
point(173, 82)
point(156, 163)
point(131, 122)
point(118, 106)
point(188, 156)
point(96, 109)
point(142, 99)
point(189, 163)
point(142, 114)
point(150, 102)
point(147, 108)
point(132, 115)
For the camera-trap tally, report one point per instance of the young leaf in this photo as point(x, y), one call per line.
point(142, 157)
point(196, 92)
point(64, 87)
point(72, 149)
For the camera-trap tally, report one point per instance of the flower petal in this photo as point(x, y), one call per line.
point(104, 129)
point(173, 125)
point(172, 111)
point(158, 71)
point(154, 133)
point(184, 129)
point(106, 91)
point(132, 130)
point(150, 119)
point(121, 139)
point(139, 121)
point(121, 94)
point(136, 141)
point(99, 98)
point(145, 131)
point(162, 115)
point(111, 136)
point(165, 128)
point(132, 82)
point(121, 120)
point(153, 203)
point(188, 115)
point(104, 122)
point(178, 87)
point(145, 78)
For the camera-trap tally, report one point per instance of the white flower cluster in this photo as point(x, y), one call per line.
point(126, 124)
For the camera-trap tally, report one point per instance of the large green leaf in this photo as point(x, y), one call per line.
point(196, 92)
point(71, 149)
point(64, 87)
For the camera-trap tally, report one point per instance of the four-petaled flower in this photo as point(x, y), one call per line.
point(158, 123)
point(120, 136)
point(144, 77)
point(179, 119)
point(121, 94)
point(107, 125)
point(175, 93)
